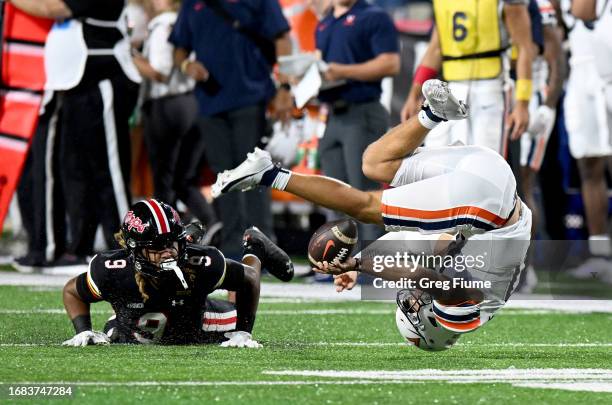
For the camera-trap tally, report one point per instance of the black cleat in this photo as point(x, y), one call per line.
point(273, 258)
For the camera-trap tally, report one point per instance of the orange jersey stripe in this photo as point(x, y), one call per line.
point(92, 289)
point(444, 214)
point(460, 327)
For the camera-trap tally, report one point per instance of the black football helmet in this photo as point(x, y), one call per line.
point(153, 224)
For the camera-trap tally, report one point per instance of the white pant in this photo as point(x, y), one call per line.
point(587, 118)
point(533, 149)
point(484, 126)
point(449, 189)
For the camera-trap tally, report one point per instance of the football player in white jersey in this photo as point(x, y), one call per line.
point(588, 119)
point(456, 195)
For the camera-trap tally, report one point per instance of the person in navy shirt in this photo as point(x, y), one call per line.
point(360, 44)
point(233, 88)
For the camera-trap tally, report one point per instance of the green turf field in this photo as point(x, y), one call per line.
point(309, 347)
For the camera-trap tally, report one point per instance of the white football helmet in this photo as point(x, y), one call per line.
point(417, 324)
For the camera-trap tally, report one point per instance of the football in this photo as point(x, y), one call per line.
point(333, 240)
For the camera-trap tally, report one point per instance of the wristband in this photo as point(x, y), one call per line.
point(184, 66)
point(285, 86)
point(523, 90)
point(424, 73)
point(81, 323)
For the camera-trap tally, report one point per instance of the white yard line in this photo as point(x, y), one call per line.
point(593, 380)
point(389, 344)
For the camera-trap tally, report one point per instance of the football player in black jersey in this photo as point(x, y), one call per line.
point(158, 285)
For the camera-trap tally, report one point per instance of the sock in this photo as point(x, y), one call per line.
point(276, 177)
point(599, 245)
point(427, 118)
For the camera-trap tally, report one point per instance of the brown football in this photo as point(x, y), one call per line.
point(333, 240)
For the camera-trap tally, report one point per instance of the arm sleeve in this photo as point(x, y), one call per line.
point(92, 284)
point(273, 21)
point(102, 9)
point(84, 290)
point(160, 50)
point(181, 32)
point(234, 276)
point(383, 35)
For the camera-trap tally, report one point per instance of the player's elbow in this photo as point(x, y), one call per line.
point(69, 290)
point(368, 164)
point(372, 167)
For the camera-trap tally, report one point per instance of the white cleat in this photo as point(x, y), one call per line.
point(442, 102)
point(245, 176)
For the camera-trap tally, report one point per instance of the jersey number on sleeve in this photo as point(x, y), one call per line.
point(115, 264)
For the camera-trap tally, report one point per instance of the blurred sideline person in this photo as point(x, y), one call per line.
point(458, 195)
point(81, 149)
point(588, 119)
point(599, 14)
point(169, 116)
point(158, 285)
point(360, 45)
point(469, 43)
point(548, 74)
point(235, 46)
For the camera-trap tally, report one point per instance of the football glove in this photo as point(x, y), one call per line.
point(87, 337)
point(542, 122)
point(240, 339)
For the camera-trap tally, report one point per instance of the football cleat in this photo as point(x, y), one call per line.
point(195, 232)
point(441, 101)
point(246, 176)
point(273, 258)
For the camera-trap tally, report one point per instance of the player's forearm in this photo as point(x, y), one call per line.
point(518, 24)
point(553, 53)
point(247, 297)
point(433, 55)
point(396, 144)
point(384, 65)
point(77, 310)
point(55, 9)
point(147, 71)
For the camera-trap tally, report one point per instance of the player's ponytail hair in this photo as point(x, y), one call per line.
point(141, 282)
point(120, 240)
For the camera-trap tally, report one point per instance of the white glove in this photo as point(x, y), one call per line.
point(542, 122)
point(87, 337)
point(240, 339)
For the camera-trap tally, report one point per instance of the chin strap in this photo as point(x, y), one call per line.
point(173, 266)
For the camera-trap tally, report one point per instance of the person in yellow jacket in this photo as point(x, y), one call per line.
point(468, 47)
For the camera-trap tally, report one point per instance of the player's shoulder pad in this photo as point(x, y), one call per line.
point(204, 257)
point(110, 259)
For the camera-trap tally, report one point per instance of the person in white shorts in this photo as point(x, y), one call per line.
point(454, 193)
point(468, 48)
point(588, 119)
